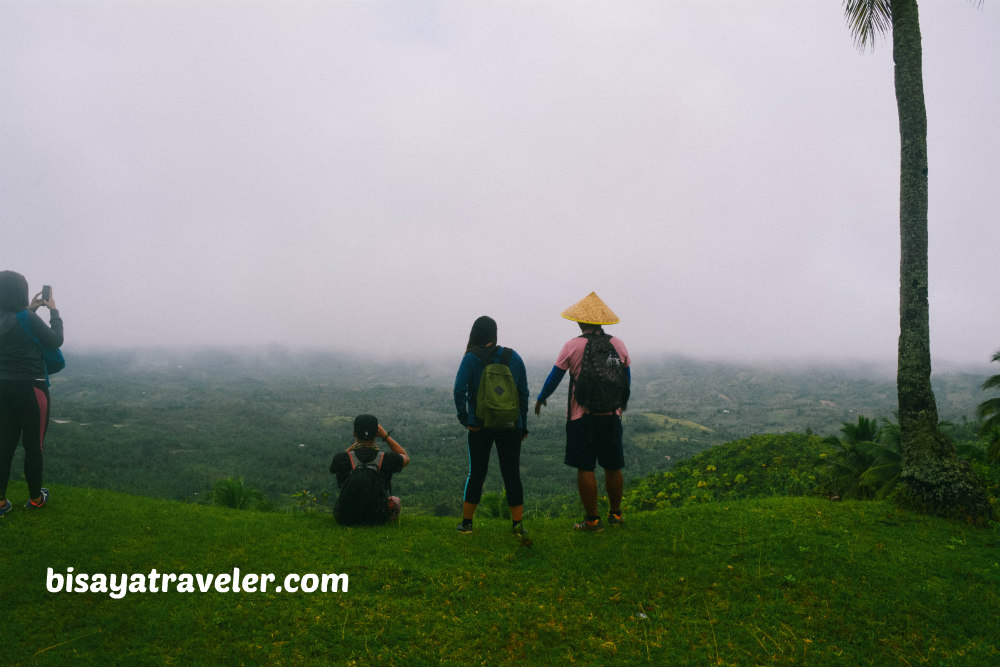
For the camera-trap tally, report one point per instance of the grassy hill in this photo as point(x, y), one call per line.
point(752, 581)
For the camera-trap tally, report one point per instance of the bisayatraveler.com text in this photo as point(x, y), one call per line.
point(119, 585)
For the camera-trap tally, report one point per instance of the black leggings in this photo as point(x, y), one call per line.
point(24, 417)
point(508, 452)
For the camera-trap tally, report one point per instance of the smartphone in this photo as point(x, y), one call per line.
point(46, 292)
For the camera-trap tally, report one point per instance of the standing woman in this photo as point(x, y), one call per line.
point(481, 350)
point(24, 399)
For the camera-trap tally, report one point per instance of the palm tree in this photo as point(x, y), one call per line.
point(989, 410)
point(866, 430)
point(886, 468)
point(937, 480)
point(867, 463)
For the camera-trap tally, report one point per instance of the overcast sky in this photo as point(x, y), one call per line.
point(373, 176)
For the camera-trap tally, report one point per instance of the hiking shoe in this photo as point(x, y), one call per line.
point(589, 525)
point(6, 507)
point(519, 530)
point(31, 504)
point(464, 526)
point(615, 519)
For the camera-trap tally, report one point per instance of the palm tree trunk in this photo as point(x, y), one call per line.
point(938, 481)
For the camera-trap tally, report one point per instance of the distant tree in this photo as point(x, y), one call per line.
point(937, 480)
point(989, 410)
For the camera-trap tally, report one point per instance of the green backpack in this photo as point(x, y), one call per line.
point(497, 402)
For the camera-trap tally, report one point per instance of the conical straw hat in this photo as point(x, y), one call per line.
point(591, 310)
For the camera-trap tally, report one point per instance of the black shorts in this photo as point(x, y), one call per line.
point(595, 439)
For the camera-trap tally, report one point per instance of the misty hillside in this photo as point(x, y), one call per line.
point(172, 425)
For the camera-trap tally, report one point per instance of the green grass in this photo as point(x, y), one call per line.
point(757, 581)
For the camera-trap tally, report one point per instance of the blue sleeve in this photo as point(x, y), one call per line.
point(551, 382)
point(463, 389)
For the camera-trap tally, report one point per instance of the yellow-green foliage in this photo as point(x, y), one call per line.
point(761, 465)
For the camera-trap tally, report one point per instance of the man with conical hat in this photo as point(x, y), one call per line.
point(600, 378)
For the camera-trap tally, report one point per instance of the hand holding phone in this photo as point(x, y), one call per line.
point(43, 298)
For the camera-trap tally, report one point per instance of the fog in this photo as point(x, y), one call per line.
point(370, 177)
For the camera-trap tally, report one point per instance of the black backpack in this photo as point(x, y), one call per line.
point(601, 386)
point(363, 499)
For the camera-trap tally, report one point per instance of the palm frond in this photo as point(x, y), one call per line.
point(866, 430)
point(878, 478)
point(992, 382)
point(880, 454)
point(889, 434)
point(868, 19)
point(993, 447)
point(989, 412)
point(988, 407)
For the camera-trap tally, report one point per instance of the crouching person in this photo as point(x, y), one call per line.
point(364, 476)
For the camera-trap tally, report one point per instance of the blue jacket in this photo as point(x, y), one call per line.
point(467, 387)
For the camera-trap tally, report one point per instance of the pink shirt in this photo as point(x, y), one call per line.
point(571, 358)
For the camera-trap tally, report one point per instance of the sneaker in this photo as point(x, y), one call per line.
point(589, 525)
point(464, 526)
point(519, 530)
point(31, 504)
point(615, 519)
point(6, 507)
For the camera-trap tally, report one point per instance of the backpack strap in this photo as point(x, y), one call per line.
point(355, 461)
point(22, 319)
point(569, 400)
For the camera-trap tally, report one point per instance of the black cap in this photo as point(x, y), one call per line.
point(365, 427)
